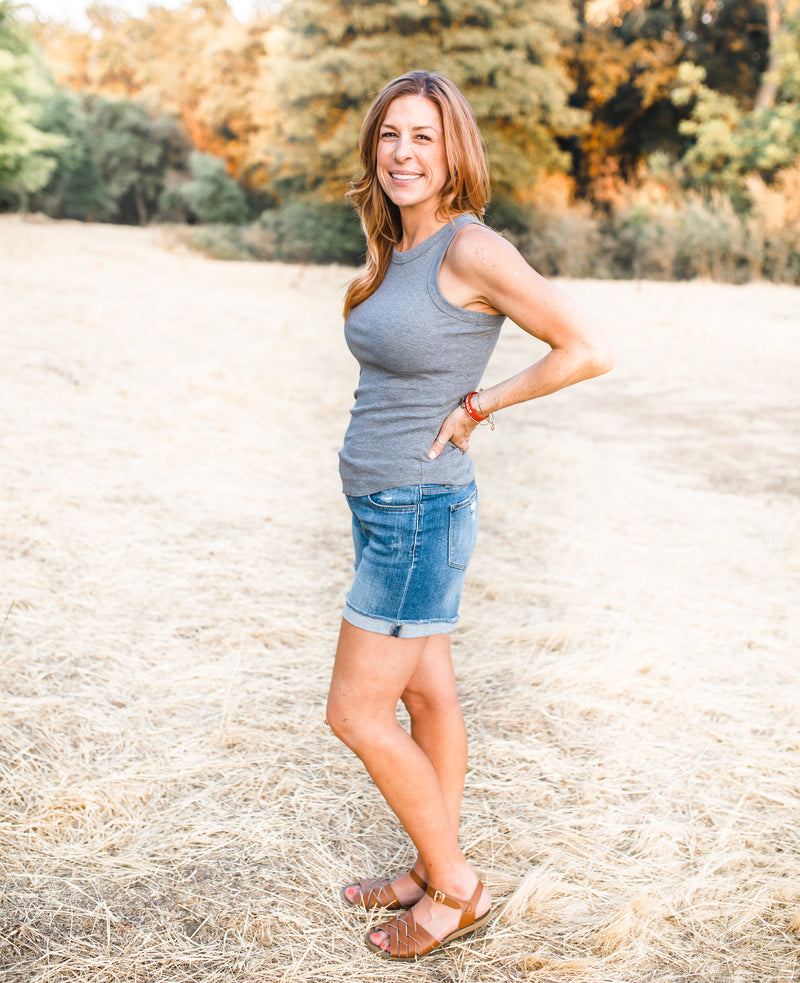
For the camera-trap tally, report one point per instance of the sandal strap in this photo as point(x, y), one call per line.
point(376, 892)
point(468, 908)
point(417, 879)
point(407, 940)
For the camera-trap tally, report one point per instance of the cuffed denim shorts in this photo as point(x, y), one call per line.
point(412, 548)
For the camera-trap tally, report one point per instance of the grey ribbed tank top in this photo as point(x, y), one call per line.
point(418, 354)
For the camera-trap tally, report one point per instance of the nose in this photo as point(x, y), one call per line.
point(402, 150)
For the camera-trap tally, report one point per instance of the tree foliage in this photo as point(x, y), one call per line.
point(211, 194)
point(627, 64)
point(116, 161)
point(25, 150)
point(134, 153)
point(75, 188)
point(504, 54)
point(196, 63)
point(730, 139)
point(605, 99)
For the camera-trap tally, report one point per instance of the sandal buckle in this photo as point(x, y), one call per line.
point(439, 896)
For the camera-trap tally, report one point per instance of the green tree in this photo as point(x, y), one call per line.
point(26, 160)
point(211, 194)
point(730, 138)
point(626, 68)
point(503, 54)
point(134, 153)
point(196, 63)
point(75, 190)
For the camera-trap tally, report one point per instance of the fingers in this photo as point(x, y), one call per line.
point(439, 444)
point(457, 428)
point(436, 448)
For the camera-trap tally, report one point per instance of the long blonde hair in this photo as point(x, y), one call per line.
point(466, 189)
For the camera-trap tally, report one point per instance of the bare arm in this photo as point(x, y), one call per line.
point(483, 271)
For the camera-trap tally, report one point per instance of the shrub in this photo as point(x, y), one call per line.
point(644, 241)
point(300, 232)
point(211, 194)
point(563, 242)
point(220, 241)
point(309, 232)
point(776, 217)
point(671, 238)
point(712, 238)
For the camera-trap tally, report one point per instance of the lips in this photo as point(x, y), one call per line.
point(403, 177)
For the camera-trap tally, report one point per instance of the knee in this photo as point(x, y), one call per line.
point(343, 720)
point(336, 716)
point(363, 729)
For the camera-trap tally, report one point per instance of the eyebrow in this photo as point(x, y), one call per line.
point(393, 126)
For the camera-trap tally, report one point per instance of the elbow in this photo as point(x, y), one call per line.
point(599, 359)
point(605, 359)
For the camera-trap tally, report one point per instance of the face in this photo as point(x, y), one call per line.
point(411, 158)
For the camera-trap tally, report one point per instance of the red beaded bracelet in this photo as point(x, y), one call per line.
point(472, 413)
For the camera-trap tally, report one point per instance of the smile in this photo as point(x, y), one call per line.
point(404, 177)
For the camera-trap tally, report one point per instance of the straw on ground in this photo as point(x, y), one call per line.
point(175, 552)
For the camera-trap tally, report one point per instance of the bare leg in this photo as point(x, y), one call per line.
point(437, 723)
point(371, 673)
point(437, 727)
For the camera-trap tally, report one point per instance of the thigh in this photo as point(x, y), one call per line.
point(371, 671)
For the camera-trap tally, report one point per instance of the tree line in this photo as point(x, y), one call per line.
point(646, 122)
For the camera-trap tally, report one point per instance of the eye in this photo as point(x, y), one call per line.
point(423, 136)
point(387, 133)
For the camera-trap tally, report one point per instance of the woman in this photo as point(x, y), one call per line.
point(422, 319)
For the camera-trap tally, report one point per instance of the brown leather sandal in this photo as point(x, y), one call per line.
point(378, 892)
point(407, 940)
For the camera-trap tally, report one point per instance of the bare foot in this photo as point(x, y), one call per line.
point(437, 919)
point(408, 892)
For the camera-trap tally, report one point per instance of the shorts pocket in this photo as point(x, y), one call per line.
point(403, 499)
point(463, 532)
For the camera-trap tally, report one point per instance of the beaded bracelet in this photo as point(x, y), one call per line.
point(469, 409)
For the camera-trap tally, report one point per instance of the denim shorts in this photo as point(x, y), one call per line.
point(412, 548)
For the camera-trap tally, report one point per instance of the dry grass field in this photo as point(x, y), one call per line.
point(174, 553)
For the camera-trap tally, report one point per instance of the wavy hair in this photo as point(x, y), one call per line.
point(466, 189)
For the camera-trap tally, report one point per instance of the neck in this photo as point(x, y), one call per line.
point(417, 228)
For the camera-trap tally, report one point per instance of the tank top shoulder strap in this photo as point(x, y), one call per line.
point(449, 233)
point(446, 307)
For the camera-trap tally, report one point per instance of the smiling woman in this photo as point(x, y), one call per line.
point(422, 320)
point(466, 186)
point(412, 159)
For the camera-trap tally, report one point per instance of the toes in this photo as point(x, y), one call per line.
point(380, 939)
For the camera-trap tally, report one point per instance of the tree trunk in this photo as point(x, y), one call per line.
point(768, 89)
point(140, 206)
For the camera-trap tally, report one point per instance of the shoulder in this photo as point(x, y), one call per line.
point(486, 266)
point(488, 270)
point(478, 251)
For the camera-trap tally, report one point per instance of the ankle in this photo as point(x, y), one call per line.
point(458, 883)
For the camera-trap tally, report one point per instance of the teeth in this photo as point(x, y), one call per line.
point(406, 177)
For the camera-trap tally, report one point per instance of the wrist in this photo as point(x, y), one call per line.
point(472, 407)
